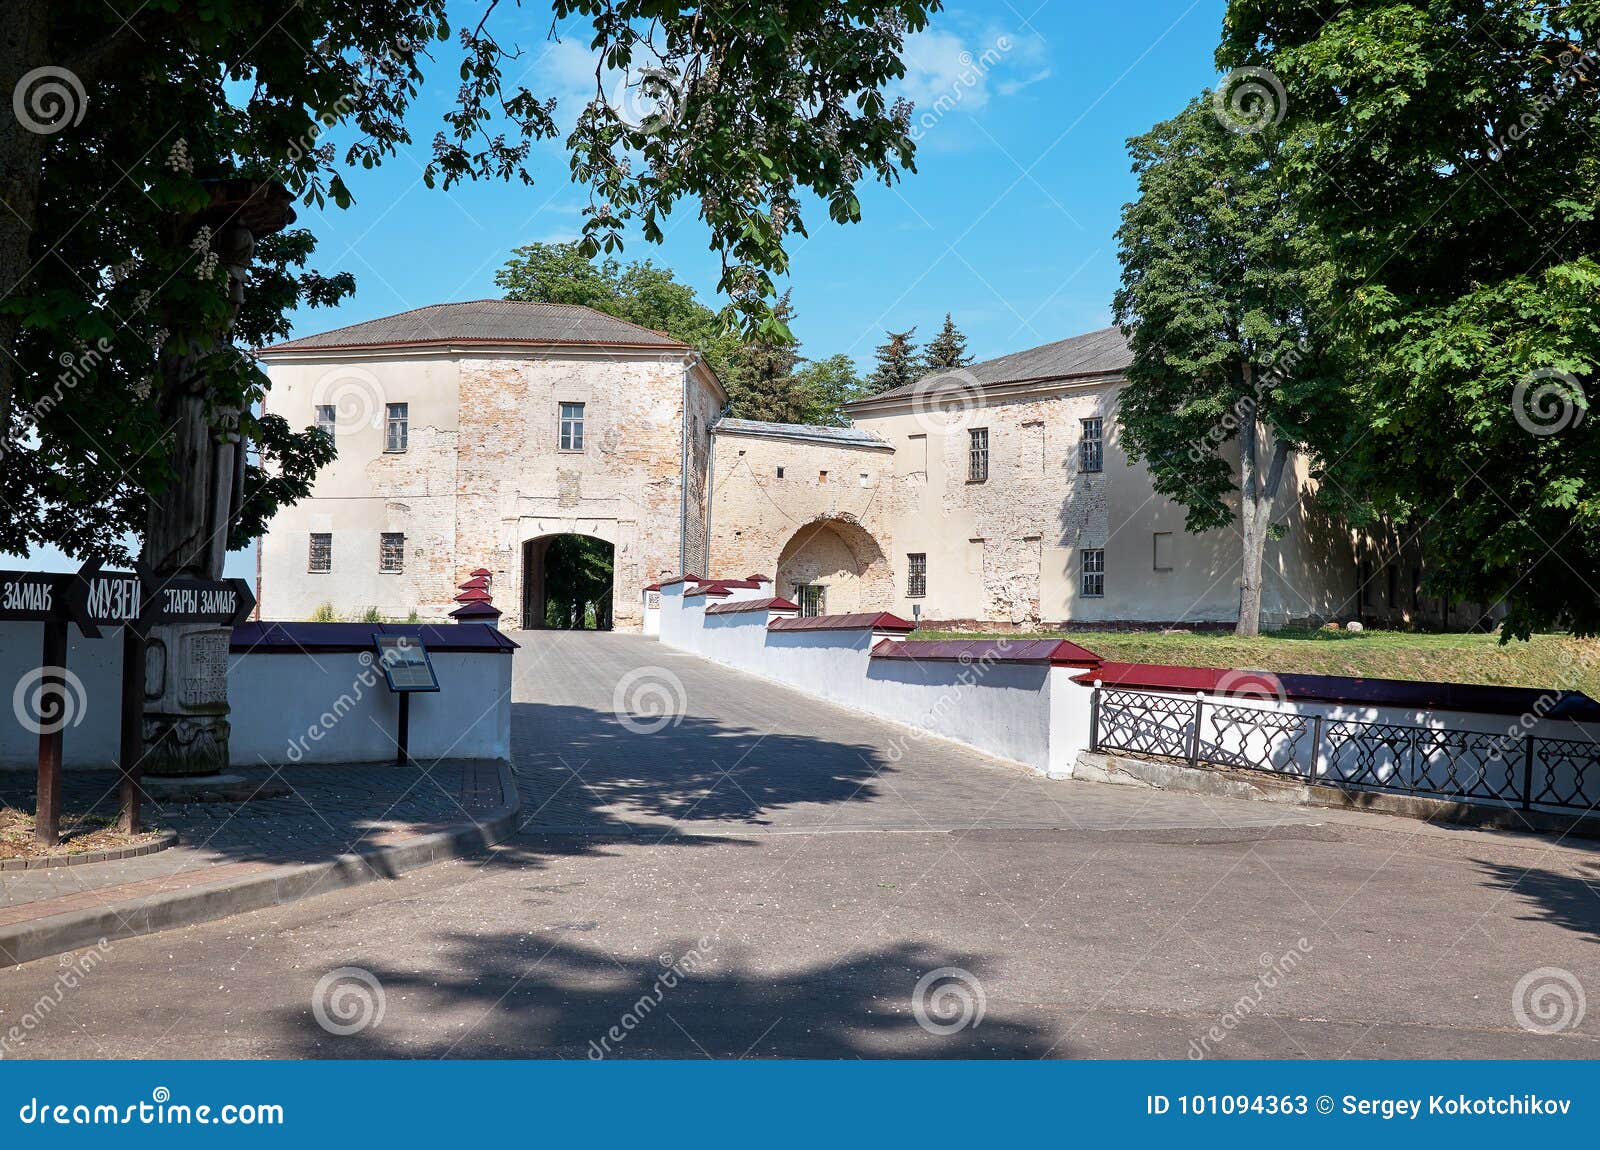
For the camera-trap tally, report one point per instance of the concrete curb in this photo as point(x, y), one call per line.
point(26, 941)
point(1242, 783)
point(49, 862)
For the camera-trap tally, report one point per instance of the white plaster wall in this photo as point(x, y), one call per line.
point(277, 699)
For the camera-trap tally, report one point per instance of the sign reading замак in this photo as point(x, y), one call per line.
point(93, 598)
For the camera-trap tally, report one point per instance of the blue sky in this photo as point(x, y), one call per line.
point(1008, 223)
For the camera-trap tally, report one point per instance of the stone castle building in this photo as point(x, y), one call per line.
point(470, 435)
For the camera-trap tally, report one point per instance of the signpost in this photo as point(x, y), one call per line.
point(93, 599)
point(408, 669)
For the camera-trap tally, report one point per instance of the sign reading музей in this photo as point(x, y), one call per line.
point(93, 599)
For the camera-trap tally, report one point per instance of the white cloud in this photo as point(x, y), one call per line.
point(959, 71)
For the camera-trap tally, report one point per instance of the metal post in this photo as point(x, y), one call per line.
point(1316, 745)
point(1194, 735)
point(1527, 771)
point(130, 754)
point(1094, 716)
point(402, 754)
point(54, 702)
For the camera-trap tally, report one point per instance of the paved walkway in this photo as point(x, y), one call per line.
point(328, 811)
point(804, 882)
point(734, 753)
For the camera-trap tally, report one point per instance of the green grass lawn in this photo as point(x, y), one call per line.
point(1558, 661)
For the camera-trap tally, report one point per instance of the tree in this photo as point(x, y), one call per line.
point(824, 387)
point(947, 350)
point(640, 292)
point(1453, 148)
point(760, 377)
point(1221, 282)
point(102, 274)
point(578, 583)
point(898, 362)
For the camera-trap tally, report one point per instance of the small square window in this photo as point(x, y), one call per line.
point(780, 473)
point(392, 552)
point(571, 427)
point(1092, 583)
point(320, 557)
point(978, 455)
point(397, 426)
point(327, 416)
point(917, 576)
point(822, 477)
point(1091, 447)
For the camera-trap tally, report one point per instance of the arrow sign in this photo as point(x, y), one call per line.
point(96, 598)
point(177, 599)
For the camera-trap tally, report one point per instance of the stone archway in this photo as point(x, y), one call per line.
point(552, 568)
point(840, 556)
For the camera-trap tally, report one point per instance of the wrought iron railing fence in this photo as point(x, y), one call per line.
point(1514, 767)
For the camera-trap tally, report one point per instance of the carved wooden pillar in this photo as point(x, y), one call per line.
point(186, 692)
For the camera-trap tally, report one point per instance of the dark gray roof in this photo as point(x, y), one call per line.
point(844, 436)
point(1094, 353)
point(485, 321)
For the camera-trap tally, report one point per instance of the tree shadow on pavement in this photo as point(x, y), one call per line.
point(579, 767)
point(540, 995)
point(1568, 900)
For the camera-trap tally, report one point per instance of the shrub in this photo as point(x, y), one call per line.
point(324, 614)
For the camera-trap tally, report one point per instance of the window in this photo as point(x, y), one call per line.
point(1163, 550)
point(1091, 447)
point(1394, 584)
point(864, 481)
point(978, 455)
point(392, 552)
point(1364, 577)
point(397, 420)
point(917, 576)
point(780, 473)
point(822, 477)
point(1092, 582)
point(571, 427)
point(812, 598)
point(320, 559)
point(327, 415)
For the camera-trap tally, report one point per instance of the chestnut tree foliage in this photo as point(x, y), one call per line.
point(734, 111)
point(1451, 149)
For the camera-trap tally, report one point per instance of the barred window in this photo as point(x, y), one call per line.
point(397, 426)
point(320, 557)
point(392, 551)
point(1091, 447)
point(571, 427)
point(812, 598)
point(327, 416)
point(917, 577)
point(1093, 574)
point(978, 455)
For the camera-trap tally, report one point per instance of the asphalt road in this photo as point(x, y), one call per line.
point(773, 876)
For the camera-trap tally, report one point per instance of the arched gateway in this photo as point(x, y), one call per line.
point(833, 565)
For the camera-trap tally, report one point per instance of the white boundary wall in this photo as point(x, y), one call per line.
point(324, 707)
point(1028, 712)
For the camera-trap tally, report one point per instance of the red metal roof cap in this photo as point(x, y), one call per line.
point(751, 605)
point(757, 579)
point(476, 611)
point(484, 571)
point(479, 596)
point(476, 583)
point(1049, 651)
point(861, 621)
